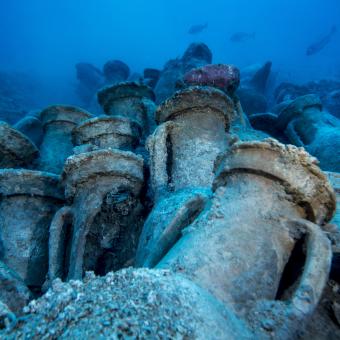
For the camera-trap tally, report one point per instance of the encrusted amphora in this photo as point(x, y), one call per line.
point(269, 204)
point(58, 122)
point(306, 124)
point(192, 132)
point(16, 150)
point(98, 230)
point(106, 132)
point(132, 100)
point(28, 201)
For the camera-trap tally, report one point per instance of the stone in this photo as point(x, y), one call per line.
point(58, 122)
point(16, 150)
point(129, 304)
point(13, 291)
point(28, 202)
point(306, 125)
point(102, 216)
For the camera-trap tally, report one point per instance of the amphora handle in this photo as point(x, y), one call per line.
point(57, 244)
point(158, 149)
point(283, 318)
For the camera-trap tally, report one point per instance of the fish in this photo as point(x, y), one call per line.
point(319, 45)
point(195, 29)
point(242, 37)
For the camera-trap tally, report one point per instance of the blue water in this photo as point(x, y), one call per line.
point(45, 39)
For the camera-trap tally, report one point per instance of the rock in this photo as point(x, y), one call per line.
point(128, 304)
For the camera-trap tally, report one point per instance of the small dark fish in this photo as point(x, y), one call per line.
point(197, 28)
point(242, 37)
point(319, 45)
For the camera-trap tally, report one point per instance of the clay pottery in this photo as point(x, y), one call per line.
point(307, 125)
point(193, 131)
point(28, 202)
point(131, 100)
point(269, 199)
point(58, 122)
point(31, 127)
point(109, 180)
point(107, 132)
point(16, 150)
